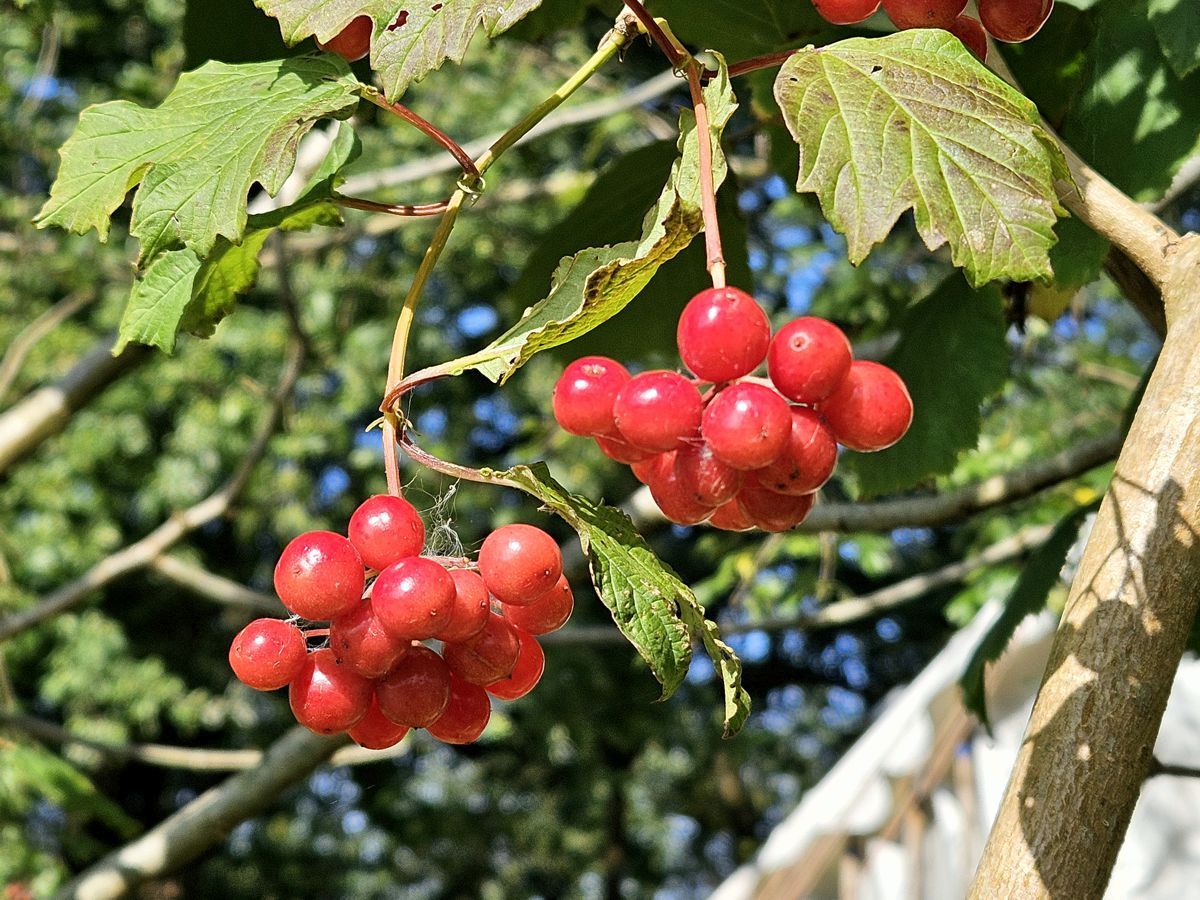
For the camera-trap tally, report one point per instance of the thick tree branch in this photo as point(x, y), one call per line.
point(215, 588)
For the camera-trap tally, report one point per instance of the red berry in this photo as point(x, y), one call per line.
point(1014, 21)
point(645, 469)
point(319, 576)
point(747, 425)
point(412, 598)
point(730, 517)
point(846, 12)
point(705, 479)
point(386, 529)
point(871, 410)
point(466, 714)
point(417, 689)
point(353, 42)
point(723, 334)
point(622, 451)
point(676, 500)
point(808, 461)
point(584, 395)
point(971, 33)
point(487, 657)
point(375, 731)
point(359, 640)
point(771, 511)
point(531, 662)
point(327, 697)
point(267, 654)
point(808, 359)
point(470, 610)
point(518, 563)
point(658, 411)
point(546, 613)
point(923, 13)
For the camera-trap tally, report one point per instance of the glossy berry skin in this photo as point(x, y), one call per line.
point(584, 395)
point(466, 714)
point(375, 731)
point(645, 470)
point(319, 576)
point(386, 529)
point(722, 334)
point(353, 42)
point(658, 411)
point(770, 511)
point(622, 451)
point(359, 640)
point(676, 500)
point(923, 13)
point(808, 461)
point(730, 517)
point(1014, 21)
point(846, 12)
point(971, 33)
point(267, 654)
point(703, 477)
point(871, 410)
point(327, 697)
point(412, 598)
point(487, 657)
point(471, 608)
point(417, 689)
point(546, 613)
point(531, 663)
point(747, 425)
point(808, 359)
point(519, 562)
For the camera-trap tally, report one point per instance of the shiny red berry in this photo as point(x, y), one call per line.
point(417, 689)
point(327, 697)
point(657, 411)
point(807, 462)
point(723, 334)
point(375, 731)
point(531, 662)
point(386, 529)
point(770, 511)
point(487, 657)
point(466, 715)
point(971, 33)
point(676, 500)
point(267, 654)
point(645, 470)
point(319, 576)
point(1014, 21)
point(359, 640)
point(584, 395)
point(871, 410)
point(546, 613)
point(846, 12)
point(353, 42)
point(808, 359)
point(704, 477)
point(923, 13)
point(470, 610)
point(412, 598)
point(747, 425)
point(622, 451)
point(519, 562)
point(730, 517)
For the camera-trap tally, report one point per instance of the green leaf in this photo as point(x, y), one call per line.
point(744, 28)
point(914, 121)
point(1028, 596)
point(1078, 257)
point(952, 355)
point(597, 283)
point(649, 603)
point(409, 40)
point(158, 300)
point(1177, 24)
point(195, 157)
point(31, 773)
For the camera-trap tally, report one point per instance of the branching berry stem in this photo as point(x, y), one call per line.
point(759, 62)
point(708, 196)
point(677, 56)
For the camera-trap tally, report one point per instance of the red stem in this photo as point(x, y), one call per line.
point(460, 155)
point(393, 209)
point(759, 62)
point(708, 195)
point(656, 33)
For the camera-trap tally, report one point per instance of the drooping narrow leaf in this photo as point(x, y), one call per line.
point(656, 611)
point(914, 121)
point(409, 40)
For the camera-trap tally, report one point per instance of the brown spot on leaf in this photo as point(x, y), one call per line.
point(400, 20)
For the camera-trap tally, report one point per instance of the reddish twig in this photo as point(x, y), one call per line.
point(759, 62)
point(428, 128)
point(393, 209)
point(654, 30)
point(708, 196)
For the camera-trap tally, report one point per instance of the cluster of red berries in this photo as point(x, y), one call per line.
point(1011, 21)
point(747, 452)
point(375, 678)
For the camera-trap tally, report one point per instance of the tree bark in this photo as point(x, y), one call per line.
point(1089, 742)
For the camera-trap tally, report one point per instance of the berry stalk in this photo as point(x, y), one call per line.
point(714, 254)
point(425, 127)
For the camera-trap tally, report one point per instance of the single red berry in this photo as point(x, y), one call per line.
point(658, 411)
point(770, 511)
point(319, 576)
point(622, 451)
point(971, 33)
point(645, 470)
point(353, 42)
point(386, 529)
point(730, 517)
point(703, 477)
point(871, 410)
point(846, 12)
point(676, 500)
point(470, 610)
point(466, 714)
point(531, 662)
point(375, 731)
point(584, 395)
point(487, 657)
point(747, 425)
point(267, 654)
point(808, 359)
point(417, 689)
point(808, 461)
point(923, 13)
point(359, 640)
point(546, 613)
point(723, 334)
point(412, 598)
point(327, 697)
point(1014, 21)
point(519, 562)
